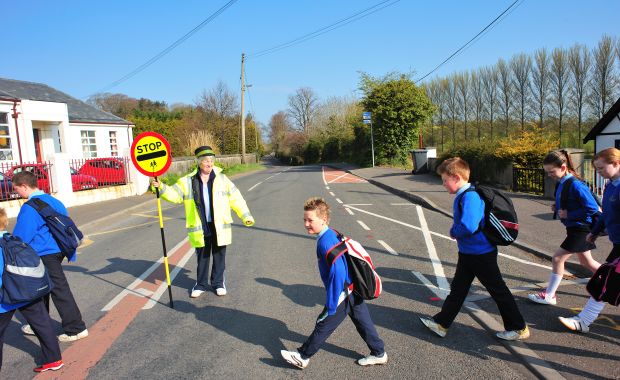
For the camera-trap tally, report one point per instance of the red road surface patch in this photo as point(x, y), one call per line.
point(84, 354)
point(331, 175)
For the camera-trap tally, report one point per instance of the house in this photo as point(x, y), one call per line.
point(606, 133)
point(37, 121)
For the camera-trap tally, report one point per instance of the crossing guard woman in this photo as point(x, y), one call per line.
point(208, 196)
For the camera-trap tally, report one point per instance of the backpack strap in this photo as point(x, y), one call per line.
point(564, 195)
point(473, 188)
point(37, 204)
point(335, 252)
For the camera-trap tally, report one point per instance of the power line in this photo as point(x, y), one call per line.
point(169, 48)
point(468, 43)
point(338, 24)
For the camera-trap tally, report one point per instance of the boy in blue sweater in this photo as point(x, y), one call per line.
point(31, 228)
point(477, 258)
point(340, 300)
point(36, 315)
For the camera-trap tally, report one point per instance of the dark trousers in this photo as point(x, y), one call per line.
point(62, 297)
point(356, 309)
point(39, 319)
point(219, 263)
point(484, 267)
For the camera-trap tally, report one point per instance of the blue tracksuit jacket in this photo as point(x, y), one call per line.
point(468, 211)
point(334, 277)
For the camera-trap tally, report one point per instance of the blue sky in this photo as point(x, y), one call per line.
point(80, 47)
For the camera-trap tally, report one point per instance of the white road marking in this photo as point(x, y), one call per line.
point(323, 174)
point(364, 226)
point(338, 200)
point(442, 282)
point(349, 211)
point(401, 204)
point(337, 178)
point(251, 188)
point(358, 204)
point(327, 187)
point(525, 261)
point(164, 285)
point(332, 194)
point(441, 293)
point(385, 245)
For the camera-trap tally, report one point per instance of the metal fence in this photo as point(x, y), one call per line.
point(42, 170)
point(107, 171)
point(528, 180)
point(595, 182)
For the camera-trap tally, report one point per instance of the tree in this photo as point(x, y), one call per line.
point(540, 80)
point(302, 108)
point(506, 91)
point(489, 82)
point(399, 108)
point(120, 105)
point(451, 101)
point(477, 92)
point(435, 93)
point(521, 66)
point(221, 110)
point(579, 62)
point(462, 85)
point(603, 77)
point(559, 83)
point(279, 125)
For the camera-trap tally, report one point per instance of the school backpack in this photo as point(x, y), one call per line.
point(605, 283)
point(365, 280)
point(63, 229)
point(564, 199)
point(24, 277)
point(501, 225)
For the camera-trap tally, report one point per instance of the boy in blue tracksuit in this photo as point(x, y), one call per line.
point(477, 258)
point(31, 228)
point(36, 315)
point(339, 299)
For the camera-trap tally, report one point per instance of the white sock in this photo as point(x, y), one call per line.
point(554, 283)
point(591, 311)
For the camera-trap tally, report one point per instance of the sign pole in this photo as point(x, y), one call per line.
point(372, 144)
point(163, 243)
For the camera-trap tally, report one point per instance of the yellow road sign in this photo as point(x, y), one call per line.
point(150, 153)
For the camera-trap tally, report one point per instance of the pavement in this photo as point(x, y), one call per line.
point(539, 233)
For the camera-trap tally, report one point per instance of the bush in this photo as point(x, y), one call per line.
point(312, 153)
point(482, 159)
point(526, 149)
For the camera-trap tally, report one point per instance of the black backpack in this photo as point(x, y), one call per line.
point(63, 229)
point(24, 277)
point(501, 225)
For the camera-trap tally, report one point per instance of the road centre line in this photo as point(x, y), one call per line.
point(364, 226)
point(385, 245)
point(442, 282)
point(338, 200)
point(332, 194)
point(251, 188)
point(349, 211)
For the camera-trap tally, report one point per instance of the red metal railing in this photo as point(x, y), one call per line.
point(41, 170)
point(107, 171)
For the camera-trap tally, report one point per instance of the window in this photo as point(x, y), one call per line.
point(113, 145)
point(6, 153)
point(89, 145)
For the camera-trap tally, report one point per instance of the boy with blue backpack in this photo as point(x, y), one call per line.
point(32, 228)
point(340, 300)
point(33, 310)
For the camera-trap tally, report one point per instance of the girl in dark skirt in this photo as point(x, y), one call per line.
point(607, 165)
point(576, 215)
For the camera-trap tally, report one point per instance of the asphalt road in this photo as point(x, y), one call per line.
point(275, 294)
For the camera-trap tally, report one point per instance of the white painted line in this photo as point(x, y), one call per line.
point(327, 187)
point(387, 247)
point(251, 188)
point(130, 289)
point(349, 211)
point(337, 178)
point(358, 204)
point(164, 285)
point(441, 293)
point(401, 204)
point(442, 282)
point(323, 174)
point(338, 200)
point(364, 226)
point(524, 261)
point(332, 194)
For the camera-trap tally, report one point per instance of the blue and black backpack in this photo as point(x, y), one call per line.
point(24, 278)
point(63, 229)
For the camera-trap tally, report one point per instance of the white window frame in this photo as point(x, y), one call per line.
point(6, 150)
point(89, 143)
point(113, 144)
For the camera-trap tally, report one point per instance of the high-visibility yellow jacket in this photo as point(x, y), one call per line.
point(226, 196)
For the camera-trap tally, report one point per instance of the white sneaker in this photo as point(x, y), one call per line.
point(73, 338)
point(196, 292)
point(434, 327)
point(543, 298)
point(373, 360)
point(514, 334)
point(294, 358)
point(220, 291)
point(575, 324)
point(26, 329)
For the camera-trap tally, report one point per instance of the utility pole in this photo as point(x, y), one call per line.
point(242, 110)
